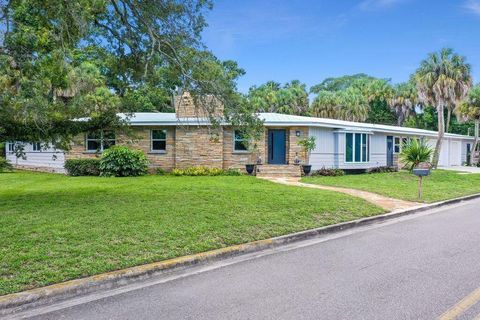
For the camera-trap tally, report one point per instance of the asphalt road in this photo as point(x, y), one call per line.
point(415, 268)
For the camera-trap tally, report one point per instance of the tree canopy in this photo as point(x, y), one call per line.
point(291, 98)
point(357, 97)
point(61, 60)
point(443, 79)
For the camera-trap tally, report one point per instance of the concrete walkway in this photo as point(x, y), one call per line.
point(461, 169)
point(386, 203)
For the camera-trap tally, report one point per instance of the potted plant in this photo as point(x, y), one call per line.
point(307, 144)
point(250, 167)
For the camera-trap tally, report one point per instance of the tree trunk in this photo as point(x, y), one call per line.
point(441, 134)
point(473, 151)
point(449, 118)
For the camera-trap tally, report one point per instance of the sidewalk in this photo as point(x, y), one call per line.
point(386, 203)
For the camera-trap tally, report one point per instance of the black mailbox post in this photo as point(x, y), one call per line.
point(422, 170)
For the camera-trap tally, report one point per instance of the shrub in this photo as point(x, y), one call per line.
point(160, 172)
point(203, 171)
point(330, 172)
point(383, 169)
point(414, 152)
point(5, 165)
point(121, 161)
point(83, 167)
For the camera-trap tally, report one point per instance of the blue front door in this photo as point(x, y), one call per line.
point(390, 151)
point(277, 146)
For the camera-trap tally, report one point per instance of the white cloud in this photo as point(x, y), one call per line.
point(368, 5)
point(472, 6)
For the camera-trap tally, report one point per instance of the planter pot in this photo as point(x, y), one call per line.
point(306, 169)
point(250, 168)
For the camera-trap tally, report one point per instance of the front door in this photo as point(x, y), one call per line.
point(390, 151)
point(277, 146)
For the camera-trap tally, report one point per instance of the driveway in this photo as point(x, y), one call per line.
point(416, 267)
point(462, 169)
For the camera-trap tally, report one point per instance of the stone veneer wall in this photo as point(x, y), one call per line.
point(138, 139)
point(189, 146)
point(77, 149)
point(198, 146)
point(238, 159)
point(293, 149)
point(141, 140)
point(186, 108)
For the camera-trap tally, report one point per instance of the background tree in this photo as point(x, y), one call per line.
point(470, 109)
point(291, 98)
point(338, 83)
point(442, 79)
point(60, 60)
point(349, 104)
point(358, 98)
point(403, 101)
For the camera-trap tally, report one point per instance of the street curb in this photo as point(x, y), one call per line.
point(16, 302)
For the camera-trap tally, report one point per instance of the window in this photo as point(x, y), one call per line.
point(240, 142)
point(100, 140)
point(357, 147)
point(11, 147)
point(36, 146)
point(159, 140)
point(397, 145)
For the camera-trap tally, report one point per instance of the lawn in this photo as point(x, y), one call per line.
point(441, 185)
point(55, 228)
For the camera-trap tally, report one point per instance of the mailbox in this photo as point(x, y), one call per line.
point(419, 172)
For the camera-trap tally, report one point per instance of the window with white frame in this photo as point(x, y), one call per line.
point(240, 141)
point(159, 140)
point(36, 146)
point(397, 145)
point(357, 147)
point(400, 142)
point(100, 140)
point(11, 147)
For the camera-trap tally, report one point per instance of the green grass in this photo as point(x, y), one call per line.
point(441, 185)
point(55, 228)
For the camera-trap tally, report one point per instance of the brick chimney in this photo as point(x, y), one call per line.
point(186, 108)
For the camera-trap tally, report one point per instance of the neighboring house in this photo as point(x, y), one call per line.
point(185, 138)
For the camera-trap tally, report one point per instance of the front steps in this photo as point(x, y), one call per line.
point(282, 170)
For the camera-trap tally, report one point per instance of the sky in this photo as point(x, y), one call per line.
point(311, 40)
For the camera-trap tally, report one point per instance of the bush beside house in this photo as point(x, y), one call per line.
point(117, 161)
point(120, 161)
point(5, 165)
point(83, 167)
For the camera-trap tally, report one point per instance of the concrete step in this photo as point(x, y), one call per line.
point(278, 171)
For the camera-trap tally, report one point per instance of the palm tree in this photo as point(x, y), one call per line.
point(442, 79)
point(325, 105)
point(353, 105)
point(349, 104)
point(403, 101)
point(470, 109)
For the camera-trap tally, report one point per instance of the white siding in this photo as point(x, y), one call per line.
point(378, 153)
point(464, 150)
point(50, 158)
point(324, 153)
point(452, 152)
point(455, 153)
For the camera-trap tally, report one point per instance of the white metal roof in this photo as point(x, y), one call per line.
point(278, 119)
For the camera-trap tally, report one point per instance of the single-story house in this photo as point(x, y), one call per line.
point(185, 138)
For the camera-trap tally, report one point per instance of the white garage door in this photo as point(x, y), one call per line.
point(444, 152)
point(455, 153)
